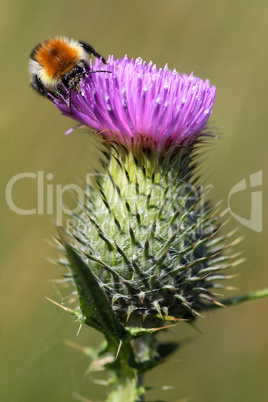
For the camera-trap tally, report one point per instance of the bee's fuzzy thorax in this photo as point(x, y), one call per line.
point(58, 65)
point(54, 58)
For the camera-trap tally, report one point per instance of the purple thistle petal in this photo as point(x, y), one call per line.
point(135, 99)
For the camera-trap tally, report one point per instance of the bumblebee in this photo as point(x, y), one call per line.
point(60, 63)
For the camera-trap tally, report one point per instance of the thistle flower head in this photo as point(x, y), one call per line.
point(136, 100)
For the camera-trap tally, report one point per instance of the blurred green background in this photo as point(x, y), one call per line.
point(225, 41)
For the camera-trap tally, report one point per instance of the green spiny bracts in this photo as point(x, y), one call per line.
point(149, 238)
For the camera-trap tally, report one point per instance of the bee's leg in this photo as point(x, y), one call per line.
point(72, 105)
point(87, 71)
point(90, 50)
point(70, 100)
point(61, 95)
point(37, 84)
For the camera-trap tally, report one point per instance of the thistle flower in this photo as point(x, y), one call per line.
point(135, 100)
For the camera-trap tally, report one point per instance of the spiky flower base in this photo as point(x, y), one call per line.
point(144, 251)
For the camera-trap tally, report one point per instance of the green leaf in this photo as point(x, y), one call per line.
point(139, 332)
point(77, 314)
point(233, 301)
point(94, 304)
point(159, 352)
point(164, 349)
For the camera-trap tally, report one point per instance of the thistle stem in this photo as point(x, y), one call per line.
point(126, 390)
point(126, 385)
